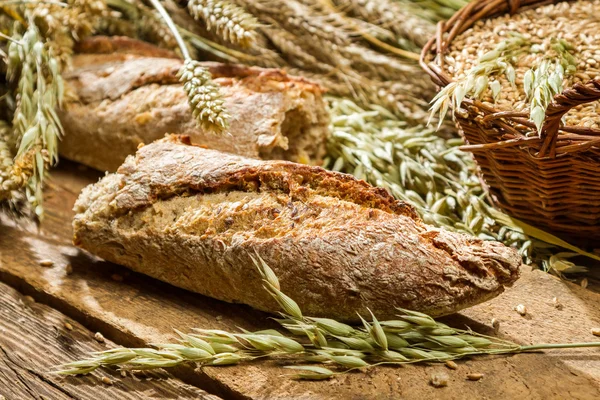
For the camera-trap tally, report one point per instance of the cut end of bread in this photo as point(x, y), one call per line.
point(128, 92)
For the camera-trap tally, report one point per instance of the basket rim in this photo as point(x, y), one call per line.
point(574, 139)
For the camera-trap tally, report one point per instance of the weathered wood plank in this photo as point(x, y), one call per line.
point(34, 339)
point(139, 310)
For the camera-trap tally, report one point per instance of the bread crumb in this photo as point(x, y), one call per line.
point(451, 364)
point(474, 376)
point(46, 263)
point(98, 336)
point(68, 326)
point(106, 380)
point(596, 331)
point(439, 379)
point(521, 309)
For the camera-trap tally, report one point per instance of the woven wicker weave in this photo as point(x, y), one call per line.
point(551, 180)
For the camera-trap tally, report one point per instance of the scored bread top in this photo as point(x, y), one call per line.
point(173, 166)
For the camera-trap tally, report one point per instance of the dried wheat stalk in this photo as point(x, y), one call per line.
point(36, 127)
point(226, 19)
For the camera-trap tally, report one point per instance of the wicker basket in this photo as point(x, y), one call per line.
point(552, 180)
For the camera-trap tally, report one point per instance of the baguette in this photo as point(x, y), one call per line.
point(193, 217)
point(125, 92)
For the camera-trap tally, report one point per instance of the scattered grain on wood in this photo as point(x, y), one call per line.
point(99, 337)
point(451, 364)
point(474, 376)
point(46, 263)
point(584, 283)
point(69, 269)
point(106, 380)
point(521, 309)
point(29, 299)
point(68, 326)
point(596, 331)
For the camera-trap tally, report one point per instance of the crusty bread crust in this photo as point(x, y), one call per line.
point(125, 92)
point(193, 217)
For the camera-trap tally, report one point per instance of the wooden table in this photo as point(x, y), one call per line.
point(130, 309)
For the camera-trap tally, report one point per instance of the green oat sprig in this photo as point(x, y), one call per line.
point(476, 81)
point(228, 20)
point(545, 80)
point(413, 337)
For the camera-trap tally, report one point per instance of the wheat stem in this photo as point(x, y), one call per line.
point(203, 94)
point(545, 346)
point(172, 27)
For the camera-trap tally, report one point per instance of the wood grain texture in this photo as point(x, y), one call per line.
point(139, 310)
point(34, 339)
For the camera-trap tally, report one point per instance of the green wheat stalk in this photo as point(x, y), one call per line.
point(413, 337)
point(544, 81)
point(499, 60)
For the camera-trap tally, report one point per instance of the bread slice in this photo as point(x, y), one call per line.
point(193, 217)
point(125, 92)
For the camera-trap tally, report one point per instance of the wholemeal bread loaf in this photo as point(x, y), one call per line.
point(193, 217)
point(124, 92)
